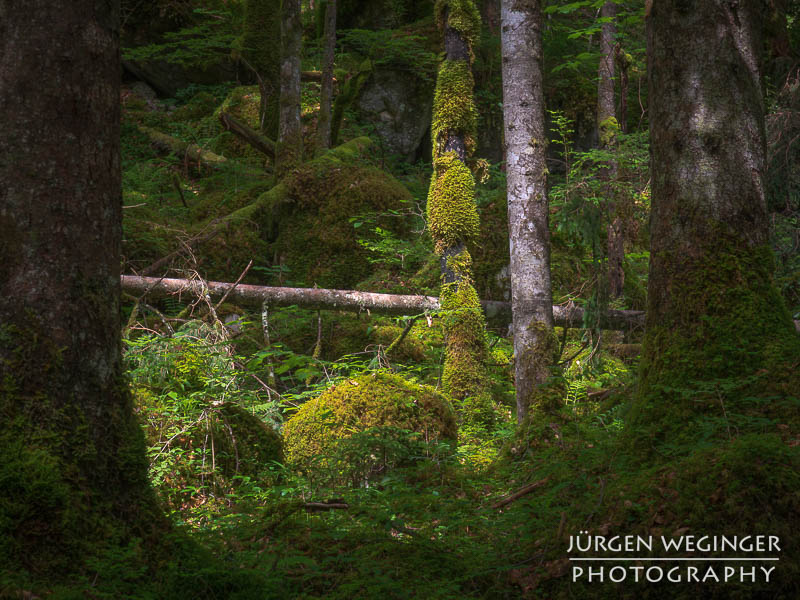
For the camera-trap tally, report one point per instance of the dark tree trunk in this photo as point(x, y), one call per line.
point(529, 233)
point(326, 91)
point(290, 128)
point(262, 51)
point(718, 333)
point(72, 459)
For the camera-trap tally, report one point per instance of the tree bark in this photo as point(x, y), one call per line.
point(252, 296)
point(529, 231)
point(72, 457)
point(290, 129)
point(715, 321)
point(326, 90)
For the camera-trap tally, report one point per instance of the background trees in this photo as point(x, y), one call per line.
point(73, 469)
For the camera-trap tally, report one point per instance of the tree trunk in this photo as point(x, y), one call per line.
point(326, 91)
point(452, 215)
point(290, 128)
point(72, 456)
point(718, 333)
point(252, 296)
point(607, 127)
point(262, 51)
point(529, 232)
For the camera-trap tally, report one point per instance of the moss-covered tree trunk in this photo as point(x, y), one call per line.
point(290, 129)
point(529, 233)
point(73, 473)
point(262, 50)
point(452, 215)
point(718, 336)
point(326, 91)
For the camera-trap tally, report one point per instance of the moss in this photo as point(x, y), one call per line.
point(608, 130)
point(465, 371)
point(378, 400)
point(724, 354)
point(73, 471)
point(462, 15)
point(454, 111)
point(315, 239)
point(452, 216)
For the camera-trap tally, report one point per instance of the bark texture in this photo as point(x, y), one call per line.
point(326, 88)
point(72, 459)
point(290, 128)
point(253, 296)
point(713, 314)
point(529, 232)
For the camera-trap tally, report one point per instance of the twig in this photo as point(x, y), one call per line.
point(327, 505)
point(233, 287)
point(520, 493)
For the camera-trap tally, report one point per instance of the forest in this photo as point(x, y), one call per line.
point(388, 299)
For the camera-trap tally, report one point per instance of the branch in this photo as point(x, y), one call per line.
point(251, 136)
point(520, 493)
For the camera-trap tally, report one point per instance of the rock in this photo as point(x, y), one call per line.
point(398, 104)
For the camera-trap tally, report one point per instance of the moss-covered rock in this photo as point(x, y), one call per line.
point(314, 237)
point(356, 405)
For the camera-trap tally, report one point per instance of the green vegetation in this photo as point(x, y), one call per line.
point(322, 454)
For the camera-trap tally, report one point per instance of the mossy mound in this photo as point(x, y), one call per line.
point(315, 240)
point(358, 405)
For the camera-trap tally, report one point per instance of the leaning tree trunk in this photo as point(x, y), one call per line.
point(326, 91)
point(452, 215)
point(72, 456)
point(261, 49)
point(290, 128)
point(718, 335)
point(529, 233)
point(607, 127)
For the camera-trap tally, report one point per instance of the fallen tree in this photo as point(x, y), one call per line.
point(253, 296)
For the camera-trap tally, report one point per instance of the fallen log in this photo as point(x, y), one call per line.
point(251, 136)
point(192, 151)
point(253, 296)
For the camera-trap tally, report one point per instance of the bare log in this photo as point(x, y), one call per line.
point(251, 136)
point(350, 300)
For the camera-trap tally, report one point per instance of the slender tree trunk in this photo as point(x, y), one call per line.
point(290, 128)
point(452, 215)
point(718, 334)
point(607, 127)
point(72, 458)
point(529, 233)
point(326, 91)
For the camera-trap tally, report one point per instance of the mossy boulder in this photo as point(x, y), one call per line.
point(357, 405)
point(311, 232)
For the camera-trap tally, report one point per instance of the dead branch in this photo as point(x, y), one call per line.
point(520, 493)
point(251, 136)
